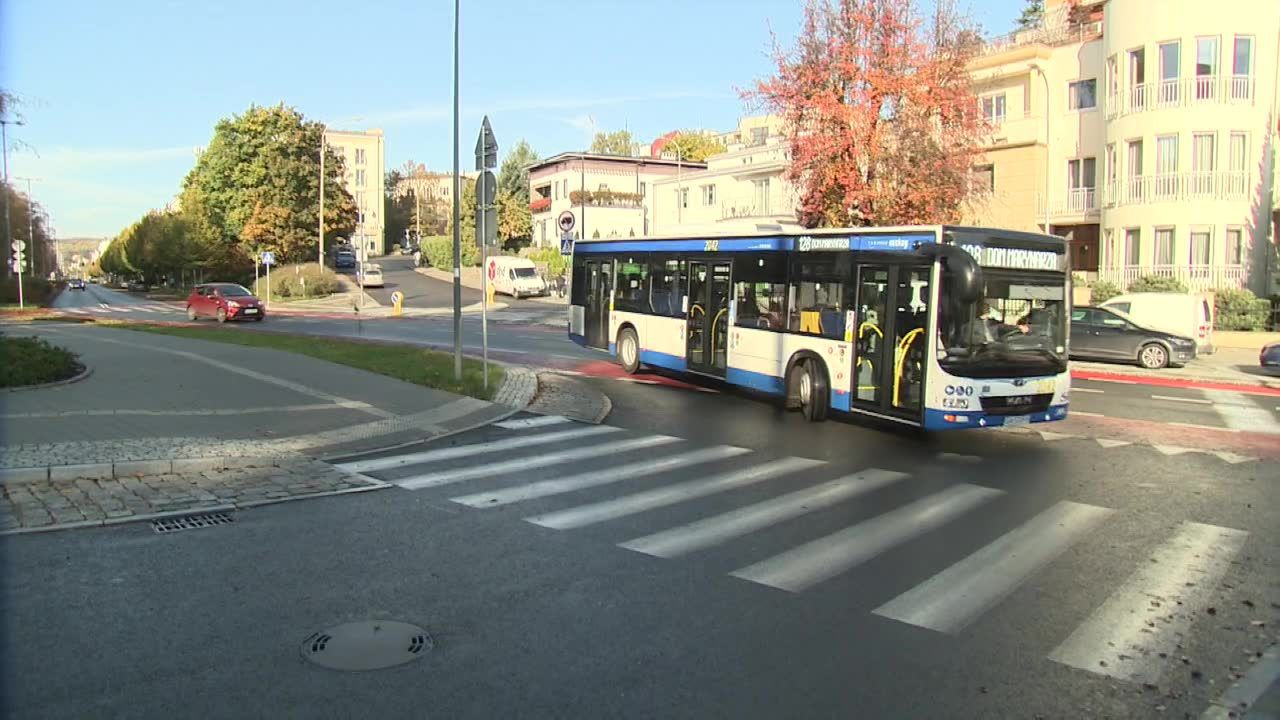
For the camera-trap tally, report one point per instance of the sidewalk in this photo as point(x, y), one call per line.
point(471, 279)
point(1229, 366)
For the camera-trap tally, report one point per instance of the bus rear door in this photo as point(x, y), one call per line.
point(707, 315)
point(599, 278)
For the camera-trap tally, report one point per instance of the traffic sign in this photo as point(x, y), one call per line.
point(486, 204)
point(268, 258)
point(566, 244)
point(486, 147)
point(493, 269)
point(19, 245)
point(567, 221)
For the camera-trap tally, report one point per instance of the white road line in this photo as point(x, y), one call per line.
point(1248, 689)
point(1109, 443)
point(639, 381)
point(594, 478)
point(1240, 413)
point(1149, 614)
point(1198, 426)
point(383, 463)
point(520, 464)
point(1086, 414)
point(670, 495)
point(824, 558)
point(715, 530)
point(1086, 390)
point(184, 413)
point(1196, 401)
point(532, 422)
point(955, 597)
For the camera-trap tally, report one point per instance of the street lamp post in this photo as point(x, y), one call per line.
point(457, 211)
point(8, 231)
point(1047, 169)
point(320, 256)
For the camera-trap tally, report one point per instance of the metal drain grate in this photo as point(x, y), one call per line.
point(191, 522)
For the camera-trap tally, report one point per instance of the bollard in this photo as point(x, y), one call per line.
point(397, 301)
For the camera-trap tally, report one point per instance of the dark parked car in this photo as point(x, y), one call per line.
point(1270, 356)
point(344, 259)
point(1101, 334)
point(137, 286)
point(223, 302)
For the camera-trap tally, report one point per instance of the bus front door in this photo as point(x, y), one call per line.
point(707, 316)
point(599, 278)
point(890, 339)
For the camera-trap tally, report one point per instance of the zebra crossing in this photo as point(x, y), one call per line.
point(104, 308)
point(573, 476)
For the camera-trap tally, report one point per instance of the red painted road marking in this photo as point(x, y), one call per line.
point(1173, 382)
point(1150, 432)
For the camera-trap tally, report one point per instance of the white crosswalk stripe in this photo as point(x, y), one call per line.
point(461, 451)
point(670, 494)
point(519, 464)
point(531, 422)
point(594, 478)
point(955, 597)
point(1147, 615)
point(825, 558)
point(715, 530)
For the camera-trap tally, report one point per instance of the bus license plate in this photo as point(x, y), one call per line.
point(1017, 420)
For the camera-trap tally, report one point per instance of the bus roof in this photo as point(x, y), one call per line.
point(795, 232)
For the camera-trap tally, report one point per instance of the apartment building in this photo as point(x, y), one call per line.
point(607, 194)
point(739, 188)
point(1146, 137)
point(430, 187)
point(364, 159)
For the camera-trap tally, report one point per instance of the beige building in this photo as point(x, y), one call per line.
point(364, 156)
point(741, 187)
point(607, 194)
point(426, 187)
point(1147, 137)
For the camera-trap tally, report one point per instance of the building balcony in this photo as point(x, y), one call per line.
point(1182, 92)
point(1178, 187)
point(606, 198)
point(1075, 202)
point(1197, 278)
point(540, 205)
point(1053, 33)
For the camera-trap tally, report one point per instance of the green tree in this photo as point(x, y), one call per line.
point(1032, 15)
point(619, 142)
point(467, 209)
point(257, 185)
point(513, 177)
point(515, 222)
point(397, 208)
point(693, 146)
point(27, 223)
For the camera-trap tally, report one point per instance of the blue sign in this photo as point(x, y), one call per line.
point(566, 245)
point(268, 258)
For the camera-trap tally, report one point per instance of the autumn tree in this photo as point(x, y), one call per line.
point(619, 142)
point(257, 186)
point(880, 114)
point(693, 146)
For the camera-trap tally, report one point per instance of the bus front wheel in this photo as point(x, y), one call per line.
point(629, 351)
point(807, 387)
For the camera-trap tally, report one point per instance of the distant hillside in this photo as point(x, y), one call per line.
point(79, 245)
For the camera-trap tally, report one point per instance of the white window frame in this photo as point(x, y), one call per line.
point(1242, 252)
point(1134, 233)
point(1073, 96)
point(708, 195)
point(1170, 232)
point(1207, 232)
point(997, 116)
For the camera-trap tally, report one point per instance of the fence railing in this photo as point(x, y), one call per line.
point(1181, 92)
point(1170, 187)
point(1196, 277)
point(1077, 201)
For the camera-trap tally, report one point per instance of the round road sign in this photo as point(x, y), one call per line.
point(397, 297)
point(567, 221)
point(493, 269)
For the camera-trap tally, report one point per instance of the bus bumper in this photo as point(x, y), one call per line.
point(952, 420)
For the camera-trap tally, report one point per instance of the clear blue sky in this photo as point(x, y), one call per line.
point(120, 94)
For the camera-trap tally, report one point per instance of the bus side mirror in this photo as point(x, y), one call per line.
point(964, 270)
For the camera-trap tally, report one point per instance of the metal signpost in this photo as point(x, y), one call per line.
point(268, 259)
point(486, 226)
point(19, 259)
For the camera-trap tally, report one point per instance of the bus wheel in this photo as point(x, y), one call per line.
point(629, 351)
point(808, 386)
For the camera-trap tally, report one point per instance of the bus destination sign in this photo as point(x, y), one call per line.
point(1016, 258)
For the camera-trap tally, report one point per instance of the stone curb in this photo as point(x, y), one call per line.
point(82, 375)
point(130, 468)
point(333, 458)
point(108, 522)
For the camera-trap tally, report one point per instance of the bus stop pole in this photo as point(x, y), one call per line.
point(484, 287)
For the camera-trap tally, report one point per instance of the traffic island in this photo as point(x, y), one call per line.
point(29, 362)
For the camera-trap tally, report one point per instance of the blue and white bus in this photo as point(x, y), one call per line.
point(939, 327)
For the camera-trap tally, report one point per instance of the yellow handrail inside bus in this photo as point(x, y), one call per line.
point(903, 345)
point(868, 325)
point(714, 322)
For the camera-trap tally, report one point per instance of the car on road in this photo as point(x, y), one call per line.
point(371, 275)
point(1181, 314)
point(515, 276)
point(1269, 356)
point(1101, 333)
point(344, 259)
point(77, 284)
point(408, 249)
point(137, 286)
point(223, 302)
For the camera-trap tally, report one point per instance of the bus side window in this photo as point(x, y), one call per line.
point(760, 288)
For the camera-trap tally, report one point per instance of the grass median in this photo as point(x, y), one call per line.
point(32, 361)
point(429, 368)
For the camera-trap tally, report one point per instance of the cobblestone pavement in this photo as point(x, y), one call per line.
point(47, 504)
point(519, 386)
point(570, 397)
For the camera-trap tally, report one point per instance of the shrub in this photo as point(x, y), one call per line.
point(1239, 309)
point(32, 361)
point(305, 280)
point(1157, 283)
point(551, 257)
point(1103, 290)
point(437, 251)
point(36, 292)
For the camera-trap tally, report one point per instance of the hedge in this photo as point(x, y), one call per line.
point(1102, 291)
point(437, 251)
point(1157, 283)
point(1240, 309)
point(305, 280)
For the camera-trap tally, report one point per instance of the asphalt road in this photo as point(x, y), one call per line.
point(423, 291)
point(632, 573)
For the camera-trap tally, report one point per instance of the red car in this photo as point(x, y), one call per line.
point(224, 301)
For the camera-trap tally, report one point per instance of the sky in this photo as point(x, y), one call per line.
point(118, 96)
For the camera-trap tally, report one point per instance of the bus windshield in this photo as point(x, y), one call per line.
point(1016, 328)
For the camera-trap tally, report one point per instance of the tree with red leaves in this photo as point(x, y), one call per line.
point(881, 116)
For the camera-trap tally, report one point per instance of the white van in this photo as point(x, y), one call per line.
point(515, 276)
point(1178, 313)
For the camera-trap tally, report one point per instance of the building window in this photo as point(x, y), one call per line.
point(993, 108)
point(759, 135)
point(1203, 162)
point(1237, 167)
point(1132, 247)
point(1110, 159)
point(1133, 172)
point(359, 178)
point(1166, 165)
point(1206, 68)
point(1170, 57)
point(359, 156)
point(1235, 246)
point(683, 194)
point(1164, 246)
point(1200, 251)
point(1083, 94)
point(1113, 83)
point(984, 177)
point(642, 190)
point(1110, 257)
point(1137, 79)
point(1242, 68)
point(762, 196)
point(1081, 179)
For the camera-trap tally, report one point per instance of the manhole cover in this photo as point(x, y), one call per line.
point(366, 645)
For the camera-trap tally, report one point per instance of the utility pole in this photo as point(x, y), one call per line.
point(457, 211)
point(486, 225)
point(320, 256)
point(1047, 159)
